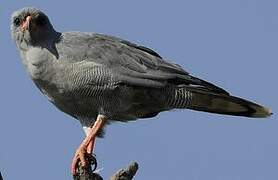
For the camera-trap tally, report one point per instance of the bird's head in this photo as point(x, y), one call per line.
point(31, 27)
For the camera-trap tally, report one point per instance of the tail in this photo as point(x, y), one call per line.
point(204, 100)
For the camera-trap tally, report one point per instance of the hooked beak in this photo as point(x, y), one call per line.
point(26, 23)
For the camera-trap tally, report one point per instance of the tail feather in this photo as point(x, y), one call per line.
point(204, 100)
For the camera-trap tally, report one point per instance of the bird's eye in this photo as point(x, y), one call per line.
point(17, 21)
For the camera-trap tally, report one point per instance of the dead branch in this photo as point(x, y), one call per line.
point(87, 173)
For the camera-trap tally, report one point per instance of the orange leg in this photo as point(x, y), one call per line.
point(87, 144)
point(91, 146)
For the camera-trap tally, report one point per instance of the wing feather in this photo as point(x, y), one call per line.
point(128, 63)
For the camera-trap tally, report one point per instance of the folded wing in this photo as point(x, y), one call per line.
point(135, 65)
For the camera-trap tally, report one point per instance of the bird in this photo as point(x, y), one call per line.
point(98, 79)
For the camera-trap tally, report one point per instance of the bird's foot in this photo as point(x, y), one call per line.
point(84, 152)
point(84, 159)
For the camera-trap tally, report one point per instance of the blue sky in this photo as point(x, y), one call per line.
point(230, 43)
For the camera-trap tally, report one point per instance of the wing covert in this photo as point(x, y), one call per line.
point(131, 64)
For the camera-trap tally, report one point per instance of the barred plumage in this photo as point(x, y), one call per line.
point(178, 97)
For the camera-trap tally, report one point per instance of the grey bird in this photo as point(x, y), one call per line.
point(97, 78)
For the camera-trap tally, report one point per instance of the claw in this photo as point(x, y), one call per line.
point(84, 159)
point(92, 161)
point(91, 164)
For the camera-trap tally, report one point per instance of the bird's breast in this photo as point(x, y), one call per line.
point(43, 69)
point(39, 64)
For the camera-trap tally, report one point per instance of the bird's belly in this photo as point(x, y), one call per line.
point(118, 104)
point(111, 102)
point(77, 105)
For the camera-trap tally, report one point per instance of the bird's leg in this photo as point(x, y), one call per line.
point(90, 146)
point(87, 145)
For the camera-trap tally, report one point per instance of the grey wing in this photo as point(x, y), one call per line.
point(131, 64)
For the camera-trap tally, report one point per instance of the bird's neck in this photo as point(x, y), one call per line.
point(47, 42)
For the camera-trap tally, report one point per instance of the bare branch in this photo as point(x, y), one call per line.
point(86, 173)
point(126, 174)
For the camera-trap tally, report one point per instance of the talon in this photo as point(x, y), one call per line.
point(93, 161)
point(80, 156)
point(85, 159)
point(89, 159)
